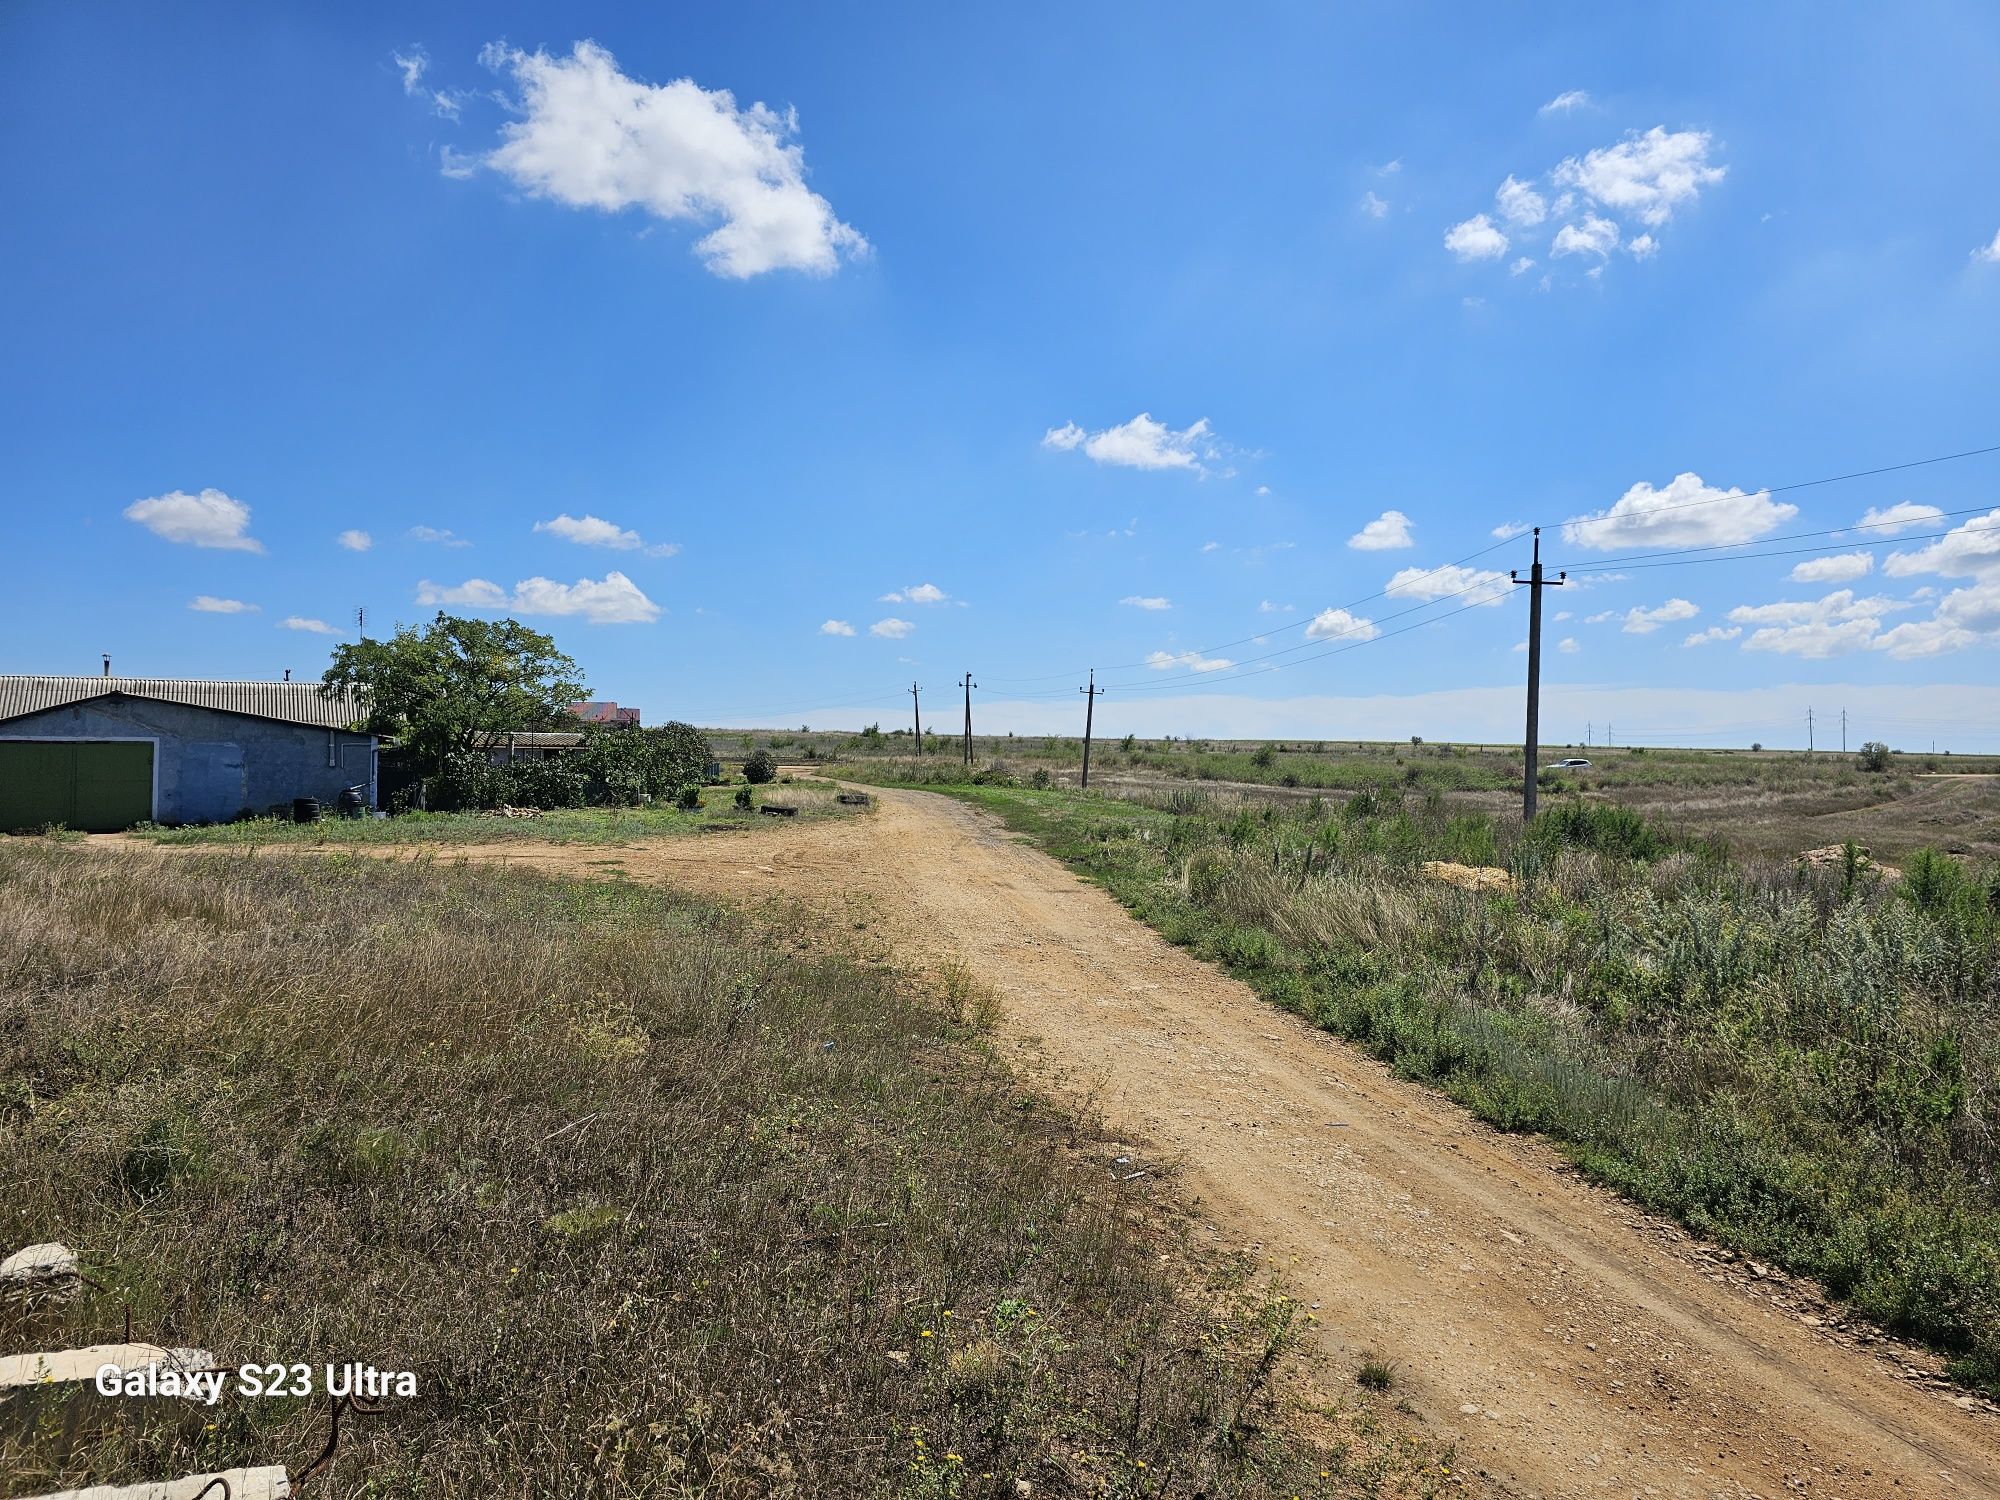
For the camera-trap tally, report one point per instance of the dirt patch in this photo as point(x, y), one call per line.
point(1468, 877)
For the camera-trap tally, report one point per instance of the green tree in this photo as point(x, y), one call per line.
point(444, 688)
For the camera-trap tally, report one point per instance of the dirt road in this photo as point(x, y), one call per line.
point(1568, 1344)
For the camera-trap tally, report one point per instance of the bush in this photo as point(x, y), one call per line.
point(760, 768)
point(688, 798)
point(743, 798)
point(557, 781)
point(1603, 826)
point(1874, 756)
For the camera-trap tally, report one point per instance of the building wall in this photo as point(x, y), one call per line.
point(207, 766)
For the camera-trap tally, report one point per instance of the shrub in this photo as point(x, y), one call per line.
point(1874, 756)
point(743, 798)
point(1602, 826)
point(760, 767)
point(556, 781)
point(688, 798)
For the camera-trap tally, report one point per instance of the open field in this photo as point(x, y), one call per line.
point(1565, 1341)
point(652, 1197)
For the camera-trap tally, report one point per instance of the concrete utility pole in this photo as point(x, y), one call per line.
point(1532, 750)
point(917, 717)
point(1843, 731)
point(1090, 696)
point(968, 685)
point(1809, 732)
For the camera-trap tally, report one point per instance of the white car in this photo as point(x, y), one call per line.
point(1574, 763)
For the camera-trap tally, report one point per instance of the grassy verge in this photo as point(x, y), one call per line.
point(1801, 1064)
point(652, 1197)
point(563, 825)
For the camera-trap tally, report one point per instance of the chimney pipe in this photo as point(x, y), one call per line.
point(107, 663)
point(288, 674)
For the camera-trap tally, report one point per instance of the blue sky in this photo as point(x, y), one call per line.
point(1109, 336)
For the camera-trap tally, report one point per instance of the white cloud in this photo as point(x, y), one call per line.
point(1687, 513)
point(1525, 264)
point(1642, 621)
point(1990, 252)
point(1600, 617)
point(1140, 443)
point(1815, 628)
point(1469, 585)
point(1594, 236)
point(412, 65)
point(209, 519)
point(1904, 515)
point(1373, 206)
point(1844, 568)
point(1147, 601)
point(355, 541)
point(589, 136)
point(1508, 530)
point(1969, 550)
point(836, 627)
point(1520, 203)
point(1339, 624)
point(891, 629)
point(1645, 247)
point(1390, 168)
point(1266, 607)
point(1475, 238)
point(1385, 533)
point(300, 622)
point(1194, 661)
point(1964, 617)
point(1713, 634)
point(1648, 176)
point(456, 164)
point(1563, 103)
point(611, 600)
point(443, 536)
point(917, 593)
point(590, 531)
point(208, 604)
point(1211, 546)
point(1568, 645)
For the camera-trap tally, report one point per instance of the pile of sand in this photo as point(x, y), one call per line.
point(1468, 877)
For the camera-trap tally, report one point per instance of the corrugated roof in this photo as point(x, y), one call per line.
point(287, 702)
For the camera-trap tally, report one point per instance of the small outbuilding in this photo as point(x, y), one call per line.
point(103, 753)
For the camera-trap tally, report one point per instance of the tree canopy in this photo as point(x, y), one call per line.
point(444, 687)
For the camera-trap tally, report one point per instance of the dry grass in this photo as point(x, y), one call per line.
point(653, 1199)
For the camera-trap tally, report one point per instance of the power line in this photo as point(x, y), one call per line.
point(1689, 560)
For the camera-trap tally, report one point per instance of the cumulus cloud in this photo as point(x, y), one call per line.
point(891, 629)
point(1904, 515)
point(1508, 530)
point(1266, 607)
point(1385, 533)
point(1964, 617)
point(1568, 645)
point(1815, 628)
point(1475, 238)
point(836, 627)
point(1969, 550)
point(208, 604)
point(1594, 236)
point(1520, 203)
point(312, 627)
point(613, 599)
point(1194, 661)
point(587, 135)
point(1687, 513)
point(1339, 624)
point(1373, 206)
point(1147, 601)
point(1844, 568)
point(1713, 634)
point(412, 64)
point(1647, 176)
point(1140, 443)
point(919, 593)
point(1642, 621)
point(355, 541)
point(1989, 252)
point(1475, 585)
point(209, 519)
point(1563, 103)
point(590, 531)
point(443, 536)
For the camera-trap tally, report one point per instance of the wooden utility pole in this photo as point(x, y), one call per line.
point(1531, 751)
point(1090, 696)
point(917, 717)
point(968, 684)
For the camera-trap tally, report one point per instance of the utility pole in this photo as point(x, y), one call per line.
point(1090, 696)
point(968, 685)
point(917, 717)
point(1589, 733)
point(1843, 731)
point(1531, 751)
point(1809, 732)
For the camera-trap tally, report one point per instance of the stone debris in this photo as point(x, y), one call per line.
point(512, 812)
point(1468, 877)
point(1834, 857)
point(80, 1366)
point(39, 1265)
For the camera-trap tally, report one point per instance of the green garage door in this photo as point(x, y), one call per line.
point(96, 785)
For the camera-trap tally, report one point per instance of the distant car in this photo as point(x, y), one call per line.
point(1574, 763)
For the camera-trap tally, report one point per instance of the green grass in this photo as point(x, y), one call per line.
point(654, 1198)
point(1797, 1064)
point(567, 825)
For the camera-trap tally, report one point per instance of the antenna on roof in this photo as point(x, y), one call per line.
point(288, 674)
point(107, 663)
point(360, 623)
